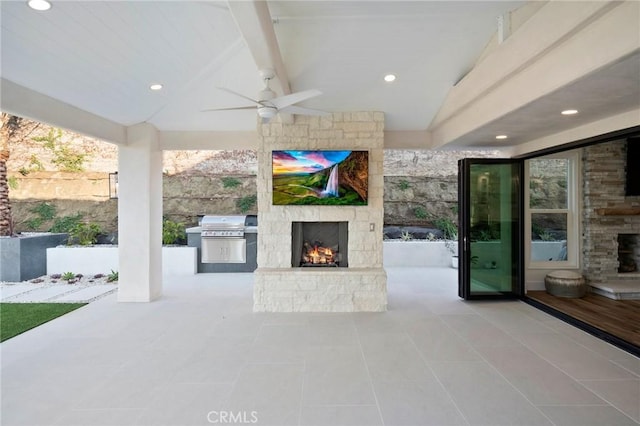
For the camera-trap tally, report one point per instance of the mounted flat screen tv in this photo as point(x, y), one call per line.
point(632, 187)
point(332, 178)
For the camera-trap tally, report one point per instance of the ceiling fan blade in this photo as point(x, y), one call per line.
point(238, 94)
point(285, 101)
point(228, 109)
point(293, 109)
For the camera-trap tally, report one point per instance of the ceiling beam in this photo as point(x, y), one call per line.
point(21, 101)
point(256, 26)
point(544, 55)
point(214, 140)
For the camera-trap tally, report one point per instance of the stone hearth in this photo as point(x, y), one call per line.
point(362, 286)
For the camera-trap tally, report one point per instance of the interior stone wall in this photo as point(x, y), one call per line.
point(604, 185)
point(360, 287)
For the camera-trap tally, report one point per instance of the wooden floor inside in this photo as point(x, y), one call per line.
point(620, 318)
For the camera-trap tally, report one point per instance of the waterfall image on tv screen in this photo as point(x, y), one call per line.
point(331, 178)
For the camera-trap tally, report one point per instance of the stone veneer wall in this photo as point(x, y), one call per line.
point(604, 185)
point(363, 285)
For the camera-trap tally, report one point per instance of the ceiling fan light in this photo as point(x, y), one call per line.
point(267, 112)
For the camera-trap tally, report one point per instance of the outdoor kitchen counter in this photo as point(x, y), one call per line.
point(194, 239)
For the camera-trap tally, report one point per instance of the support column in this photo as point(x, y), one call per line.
point(140, 215)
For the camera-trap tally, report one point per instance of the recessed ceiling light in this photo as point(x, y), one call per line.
point(501, 137)
point(569, 112)
point(156, 86)
point(389, 78)
point(40, 5)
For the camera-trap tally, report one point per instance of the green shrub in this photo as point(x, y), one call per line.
point(420, 212)
point(173, 232)
point(230, 182)
point(12, 181)
point(448, 227)
point(404, 185)
point(44, 212)
point(113, 276)
point(246, 203)
point(67, 159)
point(66, 223)
point(84, 234)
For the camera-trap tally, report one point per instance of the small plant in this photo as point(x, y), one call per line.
point(448, 227)
point(420, 212)
point(246, 203)
point(44, 212)
point(12, 181)
point(67, 159)
point(403, 185)
point(406, 236)
point(112, 277)
point(66, 223)
point(230, 182)
point(173, 232)
point(84, 234)
point(68, 276)
point(35, 164)
point(546, 236)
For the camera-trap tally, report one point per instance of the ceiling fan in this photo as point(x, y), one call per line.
point(268, 105)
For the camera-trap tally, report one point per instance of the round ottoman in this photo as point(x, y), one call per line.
point(565, 284)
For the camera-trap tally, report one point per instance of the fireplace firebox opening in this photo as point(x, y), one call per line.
point(319, 244)
point(628, 252)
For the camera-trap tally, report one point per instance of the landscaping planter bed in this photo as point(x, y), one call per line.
point(416, 253)
point(24, 257)
point(179, 260)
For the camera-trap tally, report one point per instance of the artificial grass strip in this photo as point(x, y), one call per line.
point(16, 318)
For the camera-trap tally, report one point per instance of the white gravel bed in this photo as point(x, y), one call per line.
point(50, 289)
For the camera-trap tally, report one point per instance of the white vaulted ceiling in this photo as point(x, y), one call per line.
point(98, 58)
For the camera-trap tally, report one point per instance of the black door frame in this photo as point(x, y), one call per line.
point(464, 240)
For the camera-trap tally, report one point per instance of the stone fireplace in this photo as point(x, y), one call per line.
point(354, 280)
point(611, 219)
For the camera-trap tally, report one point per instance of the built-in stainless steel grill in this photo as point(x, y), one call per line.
point(223, 239)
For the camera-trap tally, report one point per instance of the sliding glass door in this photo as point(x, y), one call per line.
point(490, 237)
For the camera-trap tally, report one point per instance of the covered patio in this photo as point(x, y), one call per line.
point(466, 73)
point(200, 356)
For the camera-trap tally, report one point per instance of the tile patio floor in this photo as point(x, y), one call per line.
point(199, 354)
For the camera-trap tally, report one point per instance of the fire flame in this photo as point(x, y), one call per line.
point(318, 255)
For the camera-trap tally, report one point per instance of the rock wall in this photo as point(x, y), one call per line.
point(419, 185)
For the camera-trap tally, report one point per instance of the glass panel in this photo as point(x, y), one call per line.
point(493, 228)
point(548, 179)
point(548, 237)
